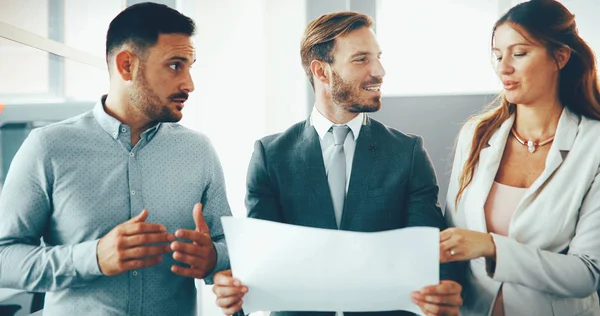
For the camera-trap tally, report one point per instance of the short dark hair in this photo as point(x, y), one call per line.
point(142, 23)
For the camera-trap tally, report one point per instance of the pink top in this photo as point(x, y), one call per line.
point(500, 205)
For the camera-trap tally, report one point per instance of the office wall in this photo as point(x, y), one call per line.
point(438, 120)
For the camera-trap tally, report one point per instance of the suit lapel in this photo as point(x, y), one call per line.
point(311, 155)
point(366, 154)
point(489, 162)
point(566, 132)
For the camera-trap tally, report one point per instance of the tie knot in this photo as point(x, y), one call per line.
point(339, 133)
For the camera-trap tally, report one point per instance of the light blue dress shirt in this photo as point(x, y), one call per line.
point(73, 181)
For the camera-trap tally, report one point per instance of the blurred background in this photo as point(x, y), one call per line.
point(248, 75)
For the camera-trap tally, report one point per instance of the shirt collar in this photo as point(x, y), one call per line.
point(113, 126)
point(323, 124)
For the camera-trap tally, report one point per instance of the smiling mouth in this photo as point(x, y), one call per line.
point(373, 89)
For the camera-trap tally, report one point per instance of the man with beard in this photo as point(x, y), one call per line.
point(340, 169)
point(111, 189)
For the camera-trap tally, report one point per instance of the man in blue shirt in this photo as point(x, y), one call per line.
point(127, 201)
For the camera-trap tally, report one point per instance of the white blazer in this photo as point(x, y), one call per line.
point(559, 213)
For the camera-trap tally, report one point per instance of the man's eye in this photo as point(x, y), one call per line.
point(360, 59)
point(175, 66)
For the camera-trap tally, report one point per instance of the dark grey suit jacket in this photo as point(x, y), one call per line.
point(392, 185)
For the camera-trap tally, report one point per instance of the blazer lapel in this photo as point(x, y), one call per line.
point(566, 132)
point(310, 153)
point(479, 189)
point(365, 156)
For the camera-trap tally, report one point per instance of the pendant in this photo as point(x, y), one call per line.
point(530, 146)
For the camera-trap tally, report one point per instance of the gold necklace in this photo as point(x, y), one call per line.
point(531, 145)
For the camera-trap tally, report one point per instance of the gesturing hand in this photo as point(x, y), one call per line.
point(200, 255)
point(125, 247)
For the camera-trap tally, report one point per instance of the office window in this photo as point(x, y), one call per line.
point(37, 76)
point(23, 69)
point(29, 15)
point(84, 82)
point(437, 47)
point(86, 23)
point(85, 26)
point(586, 17)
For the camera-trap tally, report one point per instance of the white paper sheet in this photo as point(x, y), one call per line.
point(294, 268)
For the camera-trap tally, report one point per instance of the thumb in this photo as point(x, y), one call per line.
point(201, 225)
point(141, 217)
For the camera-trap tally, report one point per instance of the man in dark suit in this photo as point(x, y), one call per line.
point(341, 169)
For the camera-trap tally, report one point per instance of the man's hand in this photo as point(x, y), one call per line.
point(229, 292)
point(126, 248)
point(442, 299)
point(200, 255)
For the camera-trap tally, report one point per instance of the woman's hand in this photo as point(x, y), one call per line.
point(458, 244)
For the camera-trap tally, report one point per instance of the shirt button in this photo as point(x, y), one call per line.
point(115, 134)
point(123, 130)
point(134, 273)
point(131, 154)
point(132, 192)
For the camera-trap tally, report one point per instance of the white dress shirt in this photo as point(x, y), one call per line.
point(322, 126)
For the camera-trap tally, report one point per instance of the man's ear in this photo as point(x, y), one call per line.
point(124, 64)
point(321, 71)
point(562, 56)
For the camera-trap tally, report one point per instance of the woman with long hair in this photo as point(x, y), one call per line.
point(524, 194)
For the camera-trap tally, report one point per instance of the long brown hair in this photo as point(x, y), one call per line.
point(551, 24)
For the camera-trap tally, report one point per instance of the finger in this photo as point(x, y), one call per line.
point(192, 235)
point(451, 300)
point(143, 252)
point(190, 260)
point(440, 309)
point(129, 229)
point(455, 254)
point(145, 239)
point(446, 287)
point(199, 220)
point(229, 291)
point(139, 263)
point(420, 304)
point(141, 217)
point(188, 272)
point(450, 250)
point(191, 249)
point(446, 233)
point(448, 244)
point(229, 301)
point(233, 309)
point(225, 278)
